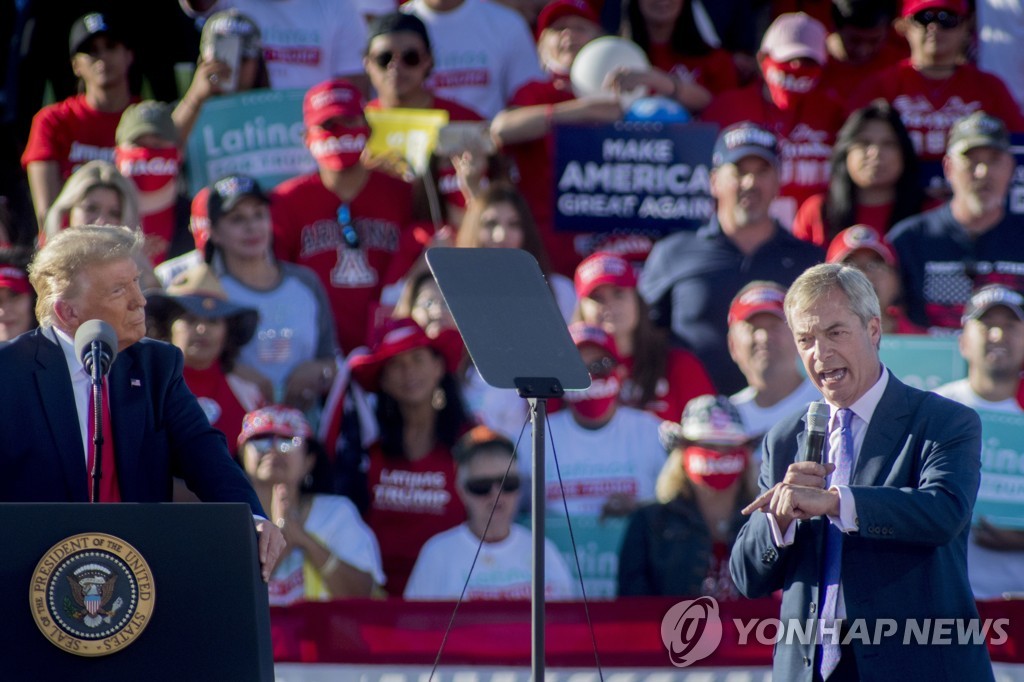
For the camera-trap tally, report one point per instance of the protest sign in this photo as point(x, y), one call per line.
point(256, 133)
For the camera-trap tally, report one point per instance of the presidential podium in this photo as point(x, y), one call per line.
point(132, 592)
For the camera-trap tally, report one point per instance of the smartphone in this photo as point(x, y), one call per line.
point(227, 48)
point(461, 136)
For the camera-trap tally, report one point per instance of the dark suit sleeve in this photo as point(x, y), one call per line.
point(943, 456)
point(757, 566)
point(198, 451)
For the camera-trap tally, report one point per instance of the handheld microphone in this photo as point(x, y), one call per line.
point(96, 345)
point(817, 431)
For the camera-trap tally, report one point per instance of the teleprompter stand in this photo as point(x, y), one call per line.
point(517, 339)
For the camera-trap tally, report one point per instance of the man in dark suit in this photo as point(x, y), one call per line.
point(879, 531)
point(157, 428)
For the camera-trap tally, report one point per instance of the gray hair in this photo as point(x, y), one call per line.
point(820, 280)
point(54, 270)
point(87, 178)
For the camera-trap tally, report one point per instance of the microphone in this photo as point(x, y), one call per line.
point(817, 430)
point(96, 345)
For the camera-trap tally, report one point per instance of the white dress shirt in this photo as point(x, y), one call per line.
point(863, 410)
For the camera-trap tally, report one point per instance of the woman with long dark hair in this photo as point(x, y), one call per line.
point(659, 379)
point(420, 415)
point(874, 178)
point(677, 42)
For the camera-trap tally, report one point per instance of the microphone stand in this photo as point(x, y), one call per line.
point(95, 352)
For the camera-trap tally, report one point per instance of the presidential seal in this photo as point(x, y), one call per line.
point(92, 594)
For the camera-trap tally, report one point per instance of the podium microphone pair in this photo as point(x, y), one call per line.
point(817, 432)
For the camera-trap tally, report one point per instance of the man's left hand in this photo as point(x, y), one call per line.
point(789, 501)
point(271, 544)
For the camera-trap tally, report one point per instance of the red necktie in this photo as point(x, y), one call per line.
point(109, 489)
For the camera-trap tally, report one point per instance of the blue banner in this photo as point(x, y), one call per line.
point(644, 177)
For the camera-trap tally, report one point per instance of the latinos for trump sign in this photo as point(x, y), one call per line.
point(924, 362)
point(649, 177)
point(1001, 495)
point(257, 133)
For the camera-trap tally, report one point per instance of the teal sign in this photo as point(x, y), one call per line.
point(257, 133)
point(924, 362)
point(597, 541)
point(1001, 496)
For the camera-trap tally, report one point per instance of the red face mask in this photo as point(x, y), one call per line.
point(787, 82)
point(339, 148)
point(712, 468)
point(149, 169)
point(596, 401)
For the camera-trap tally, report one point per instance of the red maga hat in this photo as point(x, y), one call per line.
point(584, 334)
point(603, 268)
point(327, 100)
point(856, 238)
point(275, 420)
point(757, 297)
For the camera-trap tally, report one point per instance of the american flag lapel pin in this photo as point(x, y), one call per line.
point(136, 383)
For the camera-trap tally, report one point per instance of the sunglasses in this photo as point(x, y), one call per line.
point(483, 486)
point(265, 444)
point(941, 17)
point(602, 368)
point(408, 58)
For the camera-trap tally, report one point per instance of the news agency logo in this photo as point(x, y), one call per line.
point(691, 631)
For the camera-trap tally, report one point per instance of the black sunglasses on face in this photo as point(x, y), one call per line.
point(941, 17)
point(408, 58)
point(483, 486)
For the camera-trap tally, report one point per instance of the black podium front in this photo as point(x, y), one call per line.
point(138, 591)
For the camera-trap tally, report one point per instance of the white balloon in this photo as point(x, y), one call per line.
point(601, 56)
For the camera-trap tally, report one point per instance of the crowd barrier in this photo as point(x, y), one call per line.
point(496, 635)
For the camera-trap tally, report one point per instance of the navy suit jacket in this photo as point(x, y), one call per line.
point(914, 483)
point(158, 428)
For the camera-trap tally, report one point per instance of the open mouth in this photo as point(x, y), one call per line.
point(832, 376)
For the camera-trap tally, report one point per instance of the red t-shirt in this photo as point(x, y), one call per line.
point(715, 70)
point(456, 111)
point(71, 132)
point(685, 379)
point(842, 76)
point(809, 224)
point(210, 386)
point(806, 133)
point(534, 162)
point(928, 107)
point(410, 502)
point(307, 232)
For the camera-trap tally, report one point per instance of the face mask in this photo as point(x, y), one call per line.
point(712, 468)
point(596, 401)
point(787, 82)
point(339, 148)
point(149, 169)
